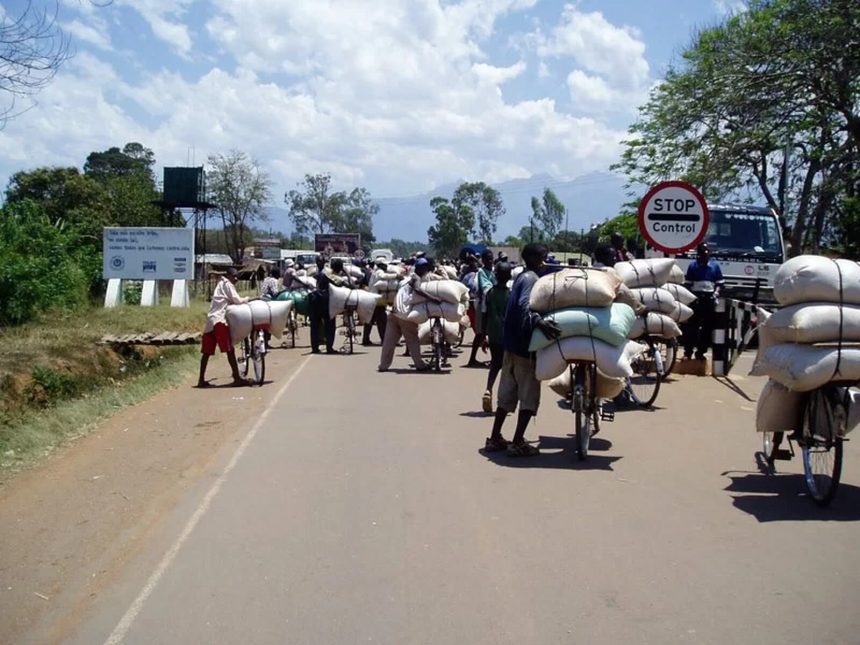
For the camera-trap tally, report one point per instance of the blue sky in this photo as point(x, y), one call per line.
point(397, 96)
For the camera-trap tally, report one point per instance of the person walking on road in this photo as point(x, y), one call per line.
point(217, 333)
point(319, 303)
point(518, 384)
point(399, 325)
point(705, 279)
point(496, 303)
point(484, 281)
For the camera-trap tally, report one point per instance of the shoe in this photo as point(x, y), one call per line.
point(496, 445)
point(381, 369)
point(700, 356)
point(487, 401)
point(315, 351)
point(522, 450)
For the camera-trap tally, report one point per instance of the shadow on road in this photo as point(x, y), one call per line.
point(559, 452)
point(734, 387)
point(478, 414)
point(782, 498)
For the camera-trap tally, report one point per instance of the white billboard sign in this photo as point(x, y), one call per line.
point(148, 253)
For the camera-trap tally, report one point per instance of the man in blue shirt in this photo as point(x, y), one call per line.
point(705, 279)
point(518, 384)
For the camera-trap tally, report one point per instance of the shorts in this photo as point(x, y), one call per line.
point(518, 384)
point(470, 312)
point(218, 337)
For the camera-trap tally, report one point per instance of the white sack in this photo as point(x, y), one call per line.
point(680, 313)
point(573, 287)
point(450, 331)
point(452, 291)
point(816, 322)
point(607, 388)
point(611, 361)
point(354, 272)
point(450, 271)
point(656, 299)
point(242, 318)
point(655, 324)
point(814, 278)
point(645, 273)
point(778, 409)
point(364, 302)
point(806, 367)
point(676, 276)
point(680, 292)
point(425, 310)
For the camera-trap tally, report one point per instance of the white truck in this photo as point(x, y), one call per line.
point(747, 242)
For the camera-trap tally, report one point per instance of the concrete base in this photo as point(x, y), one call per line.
point(693, 366)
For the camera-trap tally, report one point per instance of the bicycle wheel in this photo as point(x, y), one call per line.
point(770, 444)
point(821, 443)
point(350, 330)
point(258, 358)
point(647, 375)
point(246, 356)
point(436, 340)
point(668, 352)
point(292, 327)
point(583, 407)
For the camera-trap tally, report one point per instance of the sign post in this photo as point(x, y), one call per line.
point(673, 217)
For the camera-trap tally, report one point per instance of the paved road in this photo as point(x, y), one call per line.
point(360, 509)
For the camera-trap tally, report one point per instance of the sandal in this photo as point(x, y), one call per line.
point(522, 450)
point(496, 445)
point(487, 401)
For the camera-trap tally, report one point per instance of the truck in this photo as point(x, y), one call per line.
point(747, 243)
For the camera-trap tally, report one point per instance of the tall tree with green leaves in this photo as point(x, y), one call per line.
point(486, 206)
point(240, 189)
point(316, 209)
point(454, 223)
point(357, 215)
point(548, 213)
point(765, 104)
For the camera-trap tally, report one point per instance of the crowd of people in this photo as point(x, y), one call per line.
point(498, 313)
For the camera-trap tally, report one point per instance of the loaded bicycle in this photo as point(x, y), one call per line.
point(438, 345)
point(586, 407)
point(349, 330)
point(254, 354)
point(821, 433)
point(648, 372)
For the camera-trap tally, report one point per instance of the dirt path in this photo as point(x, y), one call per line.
point(71, 522)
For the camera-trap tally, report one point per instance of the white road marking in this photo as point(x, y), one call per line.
point(121, 630)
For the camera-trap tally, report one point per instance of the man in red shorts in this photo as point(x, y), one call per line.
point(216, 332)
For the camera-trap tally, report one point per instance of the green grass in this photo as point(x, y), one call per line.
point(36, 432)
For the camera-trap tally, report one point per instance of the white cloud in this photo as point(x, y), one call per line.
point(498, 75)
point(163, 17)
point(93, 34)
point(730, 6)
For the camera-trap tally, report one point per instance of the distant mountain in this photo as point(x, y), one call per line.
point(589, 199)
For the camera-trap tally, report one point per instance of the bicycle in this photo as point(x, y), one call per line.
point(438, 358)
point(349, 331)
point(586, 408)
point(668, 348)
point(648, 372)
point(292, 326)
point(254, 353)
point(823, 424)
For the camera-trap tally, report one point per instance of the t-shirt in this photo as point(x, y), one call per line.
point(497, 302)
point(704, 278)
point(225, 294)
point(520, 321)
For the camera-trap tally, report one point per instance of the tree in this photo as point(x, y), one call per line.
point(357, 216)
point(314, 209)
point(485, 204)
point(548, 213)
point(767, 103)
point(240, 190)
point(403, 248)
point(454, 222)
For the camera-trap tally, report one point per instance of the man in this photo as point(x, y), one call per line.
point(216, 332)
point(604, 256)
point(380, 317)
point(319, 303)
point(484, 281)
point(398, 325)
point(705, 279)
point(619, 251)
point(518, 384)
point(269, 289)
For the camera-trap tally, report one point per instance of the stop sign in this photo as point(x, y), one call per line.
point(673, 217)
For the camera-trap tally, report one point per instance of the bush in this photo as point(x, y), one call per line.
point(41, 265)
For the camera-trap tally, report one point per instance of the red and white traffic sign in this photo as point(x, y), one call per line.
point(673, 217)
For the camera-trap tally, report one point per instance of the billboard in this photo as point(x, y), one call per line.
point(148, 253)
point(329, 244)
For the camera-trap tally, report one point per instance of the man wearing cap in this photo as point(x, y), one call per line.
point(399, 325)
point(705, 279)
point(217, 333)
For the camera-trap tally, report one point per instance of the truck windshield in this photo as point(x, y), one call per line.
point(747, 234)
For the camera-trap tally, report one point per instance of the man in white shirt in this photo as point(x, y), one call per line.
point(217, 333)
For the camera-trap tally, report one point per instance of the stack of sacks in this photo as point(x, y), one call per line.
point(386, 285)
point(802, 346)
point(339, 298)
point(450, 272)
point(665, 305)
point(450, 331)
point(593, 327)
point(298, 298)
point(355, 273)
point(241, 319)
point(453, 295)
point(676, 276)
